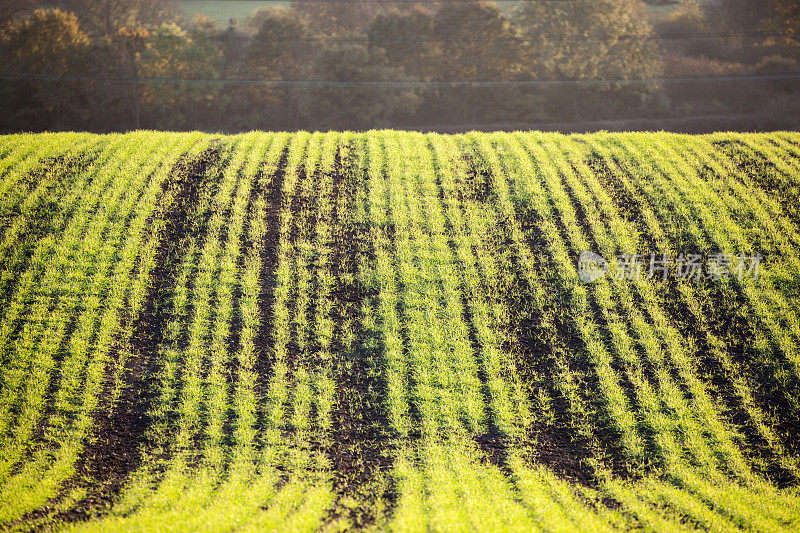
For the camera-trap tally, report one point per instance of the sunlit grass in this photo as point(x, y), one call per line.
point(387, 330)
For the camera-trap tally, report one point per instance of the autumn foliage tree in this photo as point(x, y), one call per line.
point(779, 20)
point(352, 96)
point(172, 53)
point(339, 18)
point(584, 40)
point(786, 19)
point(477, 42)
point(280, 45)
point(9, 9)
point(108, 16)
point(282, 49)
point(129, 43)
point(408, 40)
point(123, 64)
point(49, 52)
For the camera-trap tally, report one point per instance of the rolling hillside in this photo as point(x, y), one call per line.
point(399, 331)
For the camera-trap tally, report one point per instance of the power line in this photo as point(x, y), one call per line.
point(400, 83)
point(423, 2)
point(553, 37)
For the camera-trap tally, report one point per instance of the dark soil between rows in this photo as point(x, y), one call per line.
point(269, 261)
point(475, 187)
point(360, 445)
point(537, 337)
point(757, 170)
point(120, 433)
point(727, 317)
point(44, 218)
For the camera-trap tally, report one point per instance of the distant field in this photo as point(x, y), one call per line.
point(222, 10)
point(659, 11)
point(398, 331)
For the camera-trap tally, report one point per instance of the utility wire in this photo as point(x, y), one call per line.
point(551, 37)
point(422, 2)
point(223, 34)
point(399, 83)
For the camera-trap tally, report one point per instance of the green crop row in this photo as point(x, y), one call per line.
point(388, 330)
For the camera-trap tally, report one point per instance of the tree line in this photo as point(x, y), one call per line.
point(111, 65)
